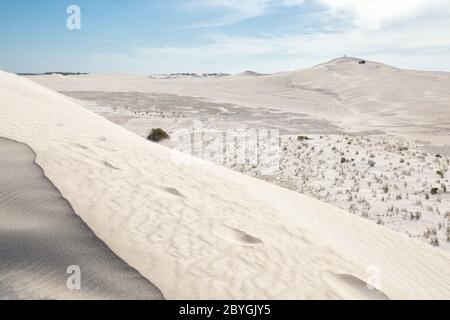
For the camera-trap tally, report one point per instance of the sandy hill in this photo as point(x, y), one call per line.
point(250, 74)
point(197, 230)
point(356, 97)
point(378, 94)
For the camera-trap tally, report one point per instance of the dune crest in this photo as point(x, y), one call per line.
point(41, 238)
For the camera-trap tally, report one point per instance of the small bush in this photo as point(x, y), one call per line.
point(303, 138)
point(157, 135)
point(434, 242)
point(434, 191)
point(440, 173)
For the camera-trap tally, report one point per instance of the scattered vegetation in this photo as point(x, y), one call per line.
point(384, 179)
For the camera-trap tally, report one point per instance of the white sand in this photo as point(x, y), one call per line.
point(41, 238)
point(203, 231)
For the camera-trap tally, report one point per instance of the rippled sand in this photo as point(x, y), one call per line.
point(41, 237)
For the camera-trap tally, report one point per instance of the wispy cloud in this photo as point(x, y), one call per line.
point(407, 33)
point(420, 36)
point(234, 11)
point(384, 13)
point(363, 13)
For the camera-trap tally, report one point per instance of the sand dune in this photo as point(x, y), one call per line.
point(41, 238)
point(356, 97)
point(201, 231)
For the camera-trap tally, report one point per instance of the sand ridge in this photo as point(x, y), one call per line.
point(42, 238)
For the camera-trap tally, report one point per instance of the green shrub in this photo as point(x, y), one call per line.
point(157, 135)
point(303, 138)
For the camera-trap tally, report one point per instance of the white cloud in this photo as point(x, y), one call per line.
point(239, 10)
point(425, 39)
point(371, 14)
point(409, 33)
point(249, 7)
point(380, 13)
point(415, 37)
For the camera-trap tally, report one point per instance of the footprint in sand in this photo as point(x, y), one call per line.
point(80, 146)
point(235, 236)
point(349, 287)
point(110, 166)
point(173, 191)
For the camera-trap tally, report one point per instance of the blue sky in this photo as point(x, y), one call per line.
point(166, 36)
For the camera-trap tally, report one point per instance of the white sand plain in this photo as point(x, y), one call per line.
point(202, 231)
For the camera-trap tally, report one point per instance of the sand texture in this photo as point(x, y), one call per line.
point(198, 230)
point(41, 238)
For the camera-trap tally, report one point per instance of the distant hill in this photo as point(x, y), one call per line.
point(250, 74)
point(188, 75)
point(53, 73)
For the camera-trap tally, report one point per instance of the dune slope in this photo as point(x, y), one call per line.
point(197, 230)
point(42, 239)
